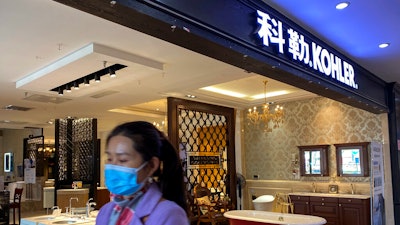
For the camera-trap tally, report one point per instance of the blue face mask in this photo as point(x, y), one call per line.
point(121, 180)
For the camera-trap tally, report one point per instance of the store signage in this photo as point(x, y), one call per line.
point(203, 160)
point(291, 42)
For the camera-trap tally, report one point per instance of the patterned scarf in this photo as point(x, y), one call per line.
point(124, 209)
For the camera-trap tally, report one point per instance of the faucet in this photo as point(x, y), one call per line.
point(88, 206)
point(70, 204)
point(352, 188)
point(314, 187)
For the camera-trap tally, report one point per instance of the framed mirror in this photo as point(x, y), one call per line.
point(314, 160)
point(352, 159)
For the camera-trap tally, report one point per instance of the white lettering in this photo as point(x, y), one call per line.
point(326, 62)
point(294, 46)
point(337, 68)
point(270, 30)
point(349, 75)
point(316, 51)
point(304, 51)
point(298, 47)
point(318, 58)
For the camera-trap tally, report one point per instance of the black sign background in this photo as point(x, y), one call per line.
point(195, 160)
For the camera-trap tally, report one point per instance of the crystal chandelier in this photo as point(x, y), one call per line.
point(269, 119)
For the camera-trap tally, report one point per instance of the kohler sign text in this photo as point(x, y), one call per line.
point(305, 52)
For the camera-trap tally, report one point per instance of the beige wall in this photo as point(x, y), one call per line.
point(13, 141)
point(310, 122)
point(313, 121)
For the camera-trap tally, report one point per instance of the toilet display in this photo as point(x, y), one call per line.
point(263, 203)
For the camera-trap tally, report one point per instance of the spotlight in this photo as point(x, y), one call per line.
point(67, 88)
point(96, 78)
point(76, 86)
point(112, 72)
point(384, 45)
point(342, 5)
point(60, 91)
point(86, 82)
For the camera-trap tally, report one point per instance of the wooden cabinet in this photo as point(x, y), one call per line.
point(336, 211)
point(301, 204)
point(354, 211)
point(327, 208)
point(103, 197)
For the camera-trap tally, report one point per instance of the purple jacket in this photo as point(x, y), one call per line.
point(159, 212)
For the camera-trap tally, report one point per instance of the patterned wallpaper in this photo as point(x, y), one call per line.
point(313, 121)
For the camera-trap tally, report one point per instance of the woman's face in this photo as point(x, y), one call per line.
point(120, 152)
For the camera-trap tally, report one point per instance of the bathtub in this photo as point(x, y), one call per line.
point(254, 217)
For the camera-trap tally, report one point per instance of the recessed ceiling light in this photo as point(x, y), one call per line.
point(342, 5)
point(224, 92)
point(384, 45)
point(269, 94)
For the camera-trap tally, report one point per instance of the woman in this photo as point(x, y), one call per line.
point(144, 176)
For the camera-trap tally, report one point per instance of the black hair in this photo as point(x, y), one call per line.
point(150, 142)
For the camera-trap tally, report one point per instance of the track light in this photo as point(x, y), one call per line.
point(86, 81)
point(96, 78)
point(76, 86)
point(67, 88)
point(112, 72)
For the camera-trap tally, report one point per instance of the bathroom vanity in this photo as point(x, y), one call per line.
point(64, 197)
point(337, 209)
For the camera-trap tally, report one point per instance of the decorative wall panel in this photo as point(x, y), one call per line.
point(83, 149)
point(203, 149)
point(316, 121)
point(204, 135)
point(77, 153)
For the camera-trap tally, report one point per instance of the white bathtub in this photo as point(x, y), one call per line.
point(254, 217)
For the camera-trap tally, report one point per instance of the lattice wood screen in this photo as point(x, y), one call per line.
point(77, 153)
point(204, 135)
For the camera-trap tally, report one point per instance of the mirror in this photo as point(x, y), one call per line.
point(8, 162)
point(352, 159)
point(314, 160)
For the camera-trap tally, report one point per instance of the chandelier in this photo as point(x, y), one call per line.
point(269, 119)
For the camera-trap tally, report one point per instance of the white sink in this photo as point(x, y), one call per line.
point(65, 222)
point(49, 219)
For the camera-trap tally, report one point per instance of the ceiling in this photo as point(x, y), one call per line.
point(45, 44)
point(356, 31)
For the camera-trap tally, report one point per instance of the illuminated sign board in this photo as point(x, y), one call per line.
point(203, 160)
point(308, 53)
